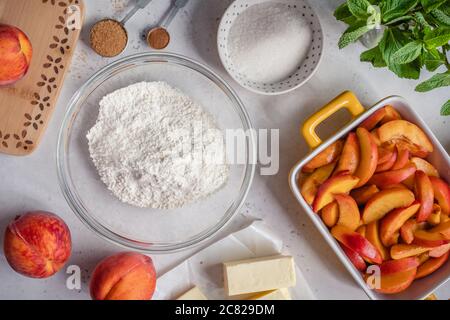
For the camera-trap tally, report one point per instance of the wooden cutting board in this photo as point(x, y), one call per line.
point(53, 27)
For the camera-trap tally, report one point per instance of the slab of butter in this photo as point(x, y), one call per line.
point(192, 294)
point(260, 274)
point(280, 294)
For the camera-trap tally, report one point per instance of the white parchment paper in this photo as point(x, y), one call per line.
point(204, 269)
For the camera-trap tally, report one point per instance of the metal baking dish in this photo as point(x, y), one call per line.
point(439, 158)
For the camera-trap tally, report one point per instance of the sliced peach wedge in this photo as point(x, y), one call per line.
point(329, 155)
point(357, 243)
point(425, 195)
point(384, 201)
point(425, 166)
point(402, 158)
point(391, 114)
point(396, 282)
point(405, 134)
point(408, 228)
point(443, 228)
point(439, 251)
point(387, 178)
point(402, 250)
point(363, 194)
point(386, 163)
point(355, 258)
point(369, 156)
point(311, 183)
point(330, 214)
point(441, 192)
point(428, 238)
point(372, 121)
point(373, 235)
point(394, 220)
point(394, 266)
point(431, 265)
point(341, 183)
point(349, 159)
point(349, 215)
point(435, 217)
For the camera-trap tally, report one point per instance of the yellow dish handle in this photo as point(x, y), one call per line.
point(345, 100)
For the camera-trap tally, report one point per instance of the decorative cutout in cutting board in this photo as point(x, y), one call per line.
point(27, 105)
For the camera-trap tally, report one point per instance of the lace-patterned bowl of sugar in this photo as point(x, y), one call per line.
point(270, 47)
point(127, 177)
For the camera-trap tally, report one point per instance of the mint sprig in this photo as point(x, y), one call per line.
point(416, 36)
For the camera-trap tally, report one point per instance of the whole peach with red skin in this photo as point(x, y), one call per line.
point(15, 54)
point(124, 276)
point(37, 244)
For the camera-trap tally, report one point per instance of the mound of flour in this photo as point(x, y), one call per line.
point(153, 146)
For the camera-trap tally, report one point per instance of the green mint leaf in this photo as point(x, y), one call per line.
point(393, 40)
point(445, 110)
point(407, 53)
point(436, 81)
point(352, 34)
point(432, 59)
point(359, 8)
point(441, 16)
point(399, 19)
point(373, 56)
point(420, 19)
point(392, 9)
point(429, 5)
point(342, 13)
point(437, 37)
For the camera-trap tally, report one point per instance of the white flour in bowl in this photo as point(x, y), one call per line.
point(268, 41)
point(153, 146)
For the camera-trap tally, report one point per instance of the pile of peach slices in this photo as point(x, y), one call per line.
point(384, 203)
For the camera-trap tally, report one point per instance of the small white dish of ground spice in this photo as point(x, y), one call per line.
point(270, 47)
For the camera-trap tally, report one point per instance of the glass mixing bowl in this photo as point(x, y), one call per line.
point(151, 230)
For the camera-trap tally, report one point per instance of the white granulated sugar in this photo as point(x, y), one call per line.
point(153, 146)
point(268, 42)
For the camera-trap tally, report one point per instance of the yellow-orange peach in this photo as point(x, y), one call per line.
point(396, 282)
point(435, 217)
point(386, 164)
point(425, 166)
point(357, 243)
point(349, 160)
point(372, 121)
point(310, 184)
point(363, 194)
point(443, 229)
point(427, 238)
point(362, 230)
point(406, 135)
point(329, 155)
point(387, 178)
point(373, 235)
point(341, 183)
point(441, 191)
point(394, 266)
point(425, 195)
point(15, 54)
point(408, 228)
point(402, 158)
point(384, 201)
point(368, 156)
point(37, 244)
point(330, 214)
point(430, 266)
point(402, 250)
point(391, 114)
point(348, 211)
point(394, 220)
point(124, 276)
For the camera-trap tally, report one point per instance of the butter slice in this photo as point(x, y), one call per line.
point(257, 275)
point(192, 294)
point(280, 294)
